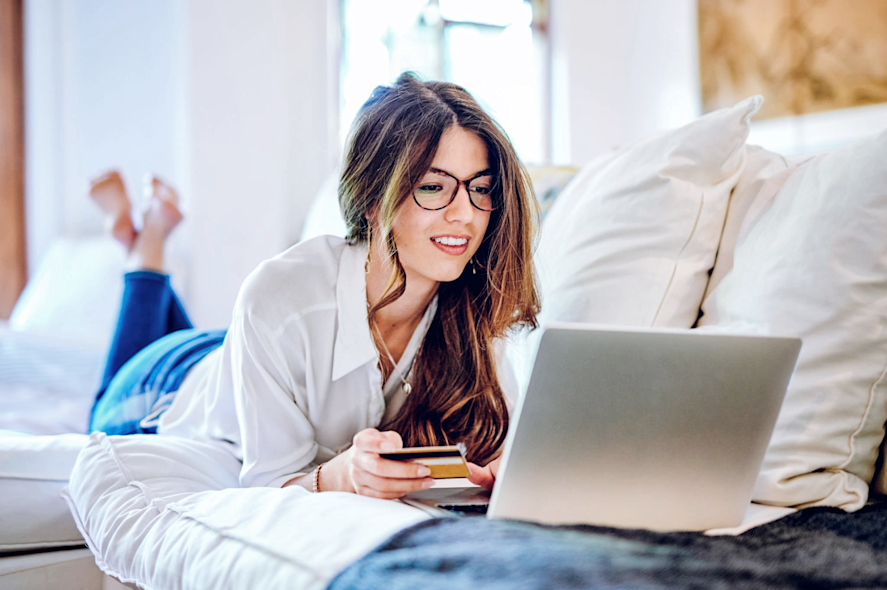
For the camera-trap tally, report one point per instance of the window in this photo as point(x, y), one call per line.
point(496, 49)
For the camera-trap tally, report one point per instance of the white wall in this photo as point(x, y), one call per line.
point(621, 69)
point(102, 85)
point(261, 143)
point(234, 102)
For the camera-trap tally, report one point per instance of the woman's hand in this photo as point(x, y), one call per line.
point(361, 470)
point(484, 477)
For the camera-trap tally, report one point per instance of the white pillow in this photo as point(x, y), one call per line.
point(763, 175)
point(154, 511)
point(75, 292)
point(631, 239)
point(33, 471)
point(325, 217)
point(813, 264)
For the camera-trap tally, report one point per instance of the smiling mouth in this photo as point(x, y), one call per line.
point(447, 241)
point(452, 246)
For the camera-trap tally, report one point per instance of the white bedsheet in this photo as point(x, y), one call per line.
point(47, 381)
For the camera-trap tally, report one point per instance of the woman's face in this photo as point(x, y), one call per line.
point(435, 246)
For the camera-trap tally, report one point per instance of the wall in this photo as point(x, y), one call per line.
point(260, 104)
point(13, 271)
point(624, 69)
point(233, 102)
point(102, 88)
point(620, 70)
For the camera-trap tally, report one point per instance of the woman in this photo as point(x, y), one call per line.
point(340, 350)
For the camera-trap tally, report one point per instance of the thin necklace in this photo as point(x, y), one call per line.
point(407, 388)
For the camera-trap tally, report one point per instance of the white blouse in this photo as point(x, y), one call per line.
point(297, 375)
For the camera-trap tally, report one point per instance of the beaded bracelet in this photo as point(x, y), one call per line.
point(315, 487)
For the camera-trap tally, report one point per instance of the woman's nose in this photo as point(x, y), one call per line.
point(461, 208)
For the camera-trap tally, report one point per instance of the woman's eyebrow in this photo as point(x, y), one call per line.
point(481, 173)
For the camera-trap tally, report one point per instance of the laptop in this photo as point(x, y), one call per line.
point(635, 428)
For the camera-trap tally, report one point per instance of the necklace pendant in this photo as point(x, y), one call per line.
point(407, 388)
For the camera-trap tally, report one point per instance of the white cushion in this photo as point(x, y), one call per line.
point(325, 217)
point(33, 471)
point(761, 178)
point(75, 292)
point(155, 512)
point(813, 263)
point(631, 240)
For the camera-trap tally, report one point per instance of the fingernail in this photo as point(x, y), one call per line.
point(387, 447)
point(424, 471)
point(427, 484)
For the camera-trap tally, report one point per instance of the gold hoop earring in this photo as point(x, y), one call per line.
point(366, 265)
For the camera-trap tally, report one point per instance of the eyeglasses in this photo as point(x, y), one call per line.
point(438, 189)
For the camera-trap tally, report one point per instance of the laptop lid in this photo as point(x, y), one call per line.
point(657, 429)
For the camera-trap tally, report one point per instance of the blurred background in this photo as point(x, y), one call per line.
point(244, 105)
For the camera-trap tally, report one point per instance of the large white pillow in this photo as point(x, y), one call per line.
point(165, 512)
point(324, 217)
point(812, 263)
point(75, 292)
point(761, 178)
point(632, 238)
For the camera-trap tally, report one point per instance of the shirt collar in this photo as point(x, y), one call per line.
point(354, 345)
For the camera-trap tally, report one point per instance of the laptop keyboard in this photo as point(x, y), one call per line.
point(466, 509)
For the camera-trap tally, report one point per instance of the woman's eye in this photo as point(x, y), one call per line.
point(428, 189)
point(481, 190)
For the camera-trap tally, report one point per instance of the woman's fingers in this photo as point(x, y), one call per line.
point(372, 441)
point(371, 475)
point(373, 463)
point(484, 477)
point(367, 483)
point(392, 441)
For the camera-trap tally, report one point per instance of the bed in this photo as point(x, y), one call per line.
point(690, 229)
point(45, 387)
point(51, 354)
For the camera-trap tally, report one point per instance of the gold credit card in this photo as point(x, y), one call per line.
point(444, 462)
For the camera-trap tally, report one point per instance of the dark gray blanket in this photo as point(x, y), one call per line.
point(814, 548)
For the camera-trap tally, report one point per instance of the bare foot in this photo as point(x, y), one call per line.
point(109, 193)
point(162, 215)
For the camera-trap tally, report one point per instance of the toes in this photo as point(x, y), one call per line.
point(108, 184)
point(156, 186)
point(111, 174)
point(162, 211)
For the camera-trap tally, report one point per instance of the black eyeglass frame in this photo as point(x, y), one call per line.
point(459, 184)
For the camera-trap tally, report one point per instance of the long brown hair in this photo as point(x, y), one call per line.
point(457, 397)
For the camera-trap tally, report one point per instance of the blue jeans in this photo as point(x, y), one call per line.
point(154, 346)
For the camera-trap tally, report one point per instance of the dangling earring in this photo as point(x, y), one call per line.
point(473, 268)
point(366, 265)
